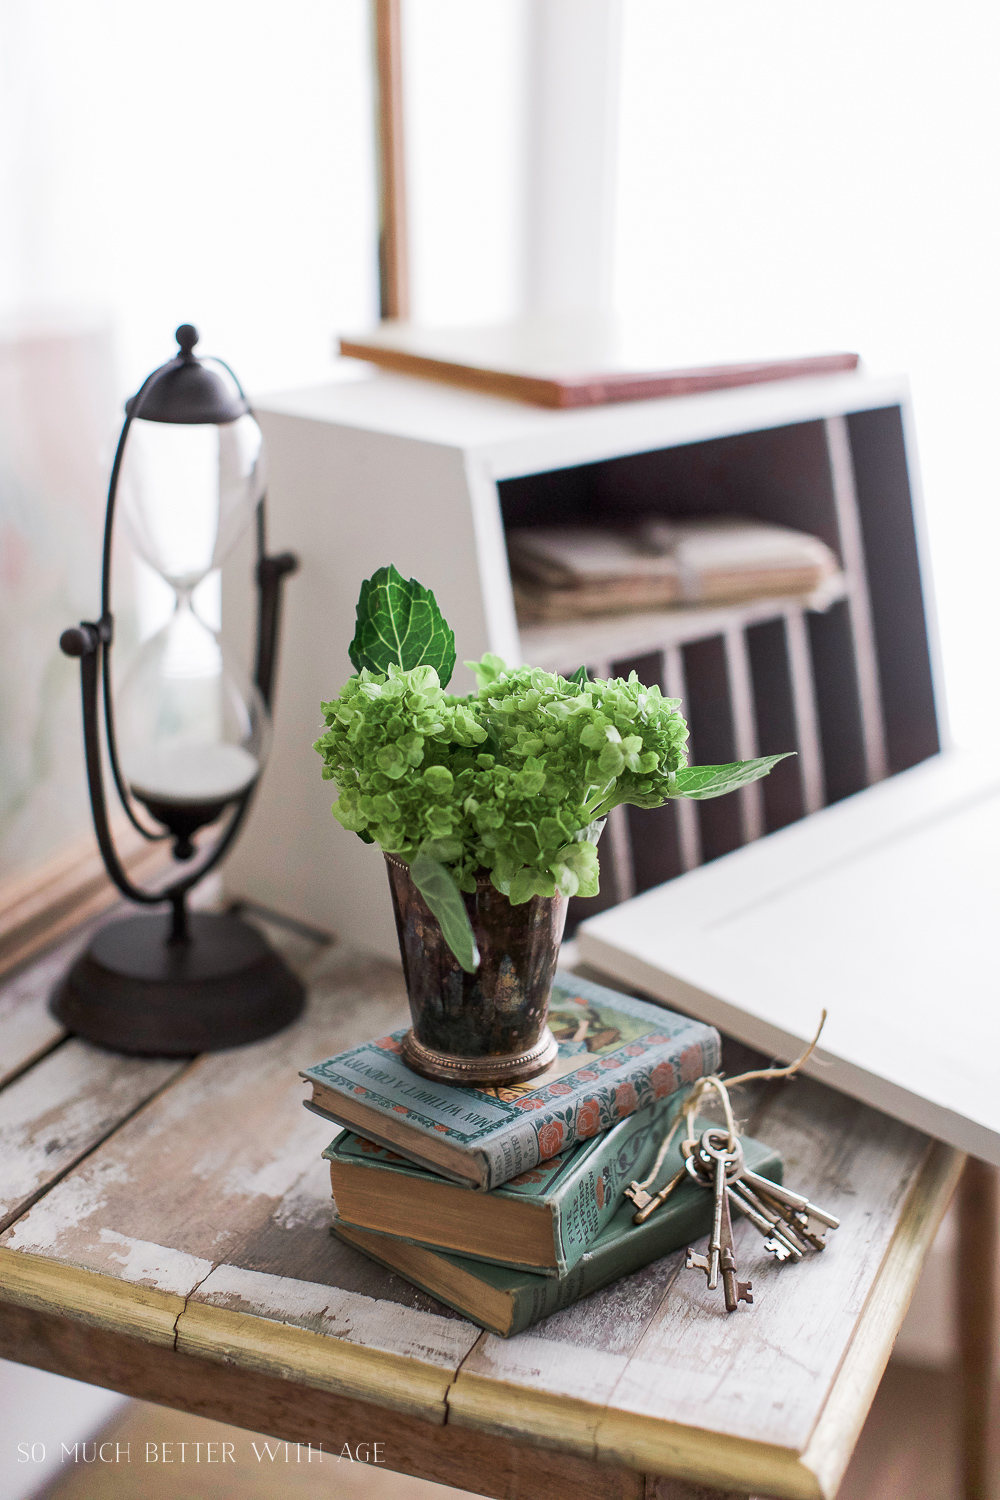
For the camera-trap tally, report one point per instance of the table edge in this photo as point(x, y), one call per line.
point(658, 1446)
point(647, 1444)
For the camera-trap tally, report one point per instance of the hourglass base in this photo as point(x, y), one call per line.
point(133, 990)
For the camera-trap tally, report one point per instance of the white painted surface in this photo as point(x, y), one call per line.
point(512, 438)
point(883, 909)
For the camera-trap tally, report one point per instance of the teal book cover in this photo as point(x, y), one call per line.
point(617, 1055)
point(507, 1300)
point(542, 1221)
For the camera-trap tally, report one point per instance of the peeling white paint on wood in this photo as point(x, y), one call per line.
point(26, 1027)
point(54, 1114)
point(146, 1264)
point(366, 1321)
point(762, 1373)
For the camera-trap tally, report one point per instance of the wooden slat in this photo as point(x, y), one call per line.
point(688, 831)
point(27, 1029)
point(354, 1345)
point(745, 729)
point(804, 709)
point(853, 557)
point(621, 853)
point(223, 1170)
point(670, 1383)
point(616, 838)
point(63, 1107)
point(38, 909)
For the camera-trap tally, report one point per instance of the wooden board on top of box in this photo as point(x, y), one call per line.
point(574, 360)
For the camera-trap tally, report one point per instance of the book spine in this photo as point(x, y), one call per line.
point(548, 1128)
point(589, 1199)
point(686, 1219)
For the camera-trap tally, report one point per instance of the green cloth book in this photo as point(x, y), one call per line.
point(542, 1221)
point(616, 1055)
point(506, 1300)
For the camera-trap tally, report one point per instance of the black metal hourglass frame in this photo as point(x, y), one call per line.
point(180, 982)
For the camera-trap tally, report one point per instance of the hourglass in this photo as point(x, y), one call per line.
point(187, 733)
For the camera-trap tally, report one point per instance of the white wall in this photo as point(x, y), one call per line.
point(210, 163)
point(825, 177)
point(159, 164)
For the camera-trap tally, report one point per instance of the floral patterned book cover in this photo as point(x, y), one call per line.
point(576, 1192)
point(616, 1055)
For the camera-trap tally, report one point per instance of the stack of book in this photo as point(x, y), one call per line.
point(507, 1203)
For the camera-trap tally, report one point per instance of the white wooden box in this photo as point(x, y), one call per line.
point(387, 469)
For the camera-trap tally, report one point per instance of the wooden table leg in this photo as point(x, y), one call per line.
point(977, 1267)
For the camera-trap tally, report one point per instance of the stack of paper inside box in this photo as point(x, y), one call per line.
point(507, 1203)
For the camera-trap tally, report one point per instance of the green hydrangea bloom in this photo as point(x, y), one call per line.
point(515, 778)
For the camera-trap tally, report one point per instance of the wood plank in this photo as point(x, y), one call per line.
point(804, 706)
point(64, 1106)
point(53, 900)
point(223, 1169)
point(281, 1408)
point(688, 829)
point(674, 1385)
point(744, 729)
point(328, 1338)
point(201, 1227)
point(852, 554)
point(505, 360)
point(27, 1029)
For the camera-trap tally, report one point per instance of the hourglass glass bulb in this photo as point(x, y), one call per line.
point(193, 731)
point(188, 490)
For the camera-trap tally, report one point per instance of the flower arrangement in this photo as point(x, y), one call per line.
point(515, 778)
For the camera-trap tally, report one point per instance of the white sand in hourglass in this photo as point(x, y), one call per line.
point(191, 773)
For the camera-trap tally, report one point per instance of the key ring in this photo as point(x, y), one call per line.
point(731, 1155)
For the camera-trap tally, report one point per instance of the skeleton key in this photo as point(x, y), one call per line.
point(792, 1222)
point(726, 1160)
point(777, 1239)
point(708, 1173)
point(804, 1230)
point(787, 1198)
point(648, 1203)
point(734, 1290)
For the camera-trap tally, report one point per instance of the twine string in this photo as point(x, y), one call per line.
point(712, 1082)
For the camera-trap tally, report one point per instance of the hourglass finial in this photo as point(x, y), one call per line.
point(187, 336)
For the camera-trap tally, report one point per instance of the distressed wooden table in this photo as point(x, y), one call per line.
point(165, 1233)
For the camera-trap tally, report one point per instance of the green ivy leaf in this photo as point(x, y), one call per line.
point(399, 624)
point(698, 783)
point(437, 886)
